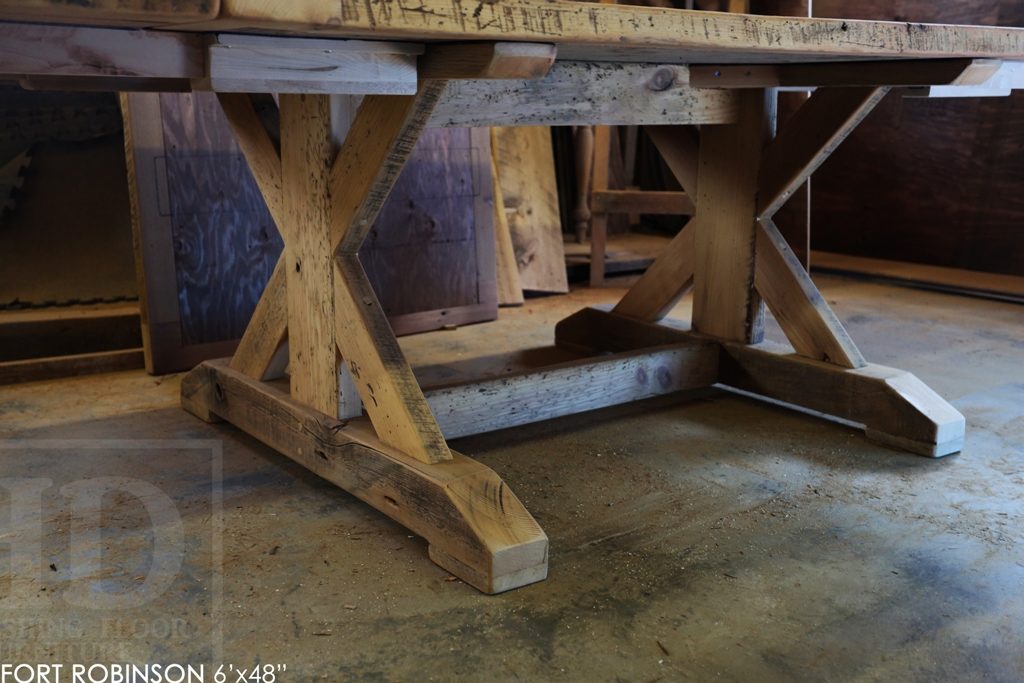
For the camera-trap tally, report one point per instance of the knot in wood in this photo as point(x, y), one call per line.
point(662, 79)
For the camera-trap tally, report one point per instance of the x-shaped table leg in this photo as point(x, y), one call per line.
point(736, 260)
point(319, 300)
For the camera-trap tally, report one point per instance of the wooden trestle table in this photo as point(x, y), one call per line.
point(349, 408)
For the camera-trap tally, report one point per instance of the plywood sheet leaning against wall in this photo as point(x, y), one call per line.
point(526, 172)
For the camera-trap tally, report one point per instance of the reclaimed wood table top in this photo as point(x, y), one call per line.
point(581, 30)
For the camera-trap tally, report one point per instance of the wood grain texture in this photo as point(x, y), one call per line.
point(510, 286)
point(805, 317)
point(811, 135)
point(487, 60)
point(267, 329)
point(896, 408)
point(679, 146)
point(643, 202)
point(599, 179)
point(665, 281)
point(59, 367)
point(571, 388)
point(375, 150)
point(306, 155)
point(577, 93)
point(477, 529)
point(69, 51)
point(725, 304)
point(152, 181)
point(215, 207)
point(526, 168)
point(110, 12)
point(262, 148)
point(390, 393)
point(606, 31)
point(897, 73)
point(240, 63)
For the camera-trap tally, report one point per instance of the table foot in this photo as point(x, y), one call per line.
point(476, 527)
point(895, 407)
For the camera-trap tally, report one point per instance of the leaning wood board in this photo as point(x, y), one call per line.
point(206, 244)
point(525, 164)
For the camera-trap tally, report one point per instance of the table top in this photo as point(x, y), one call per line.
point(588, 31)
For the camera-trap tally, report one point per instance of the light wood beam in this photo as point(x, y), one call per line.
point(846, 74)
point(267, 330)
point(251, 63)
point(262, 149)
point(725, 304)
point(586, 93)
point(666, 280)
point(679, 146)
point(307, 152)
point(385, 382)
point(570, 388)
point(73, 51)
point(378, 144)
point(510, 286)
point(810, 325)
point(257, 354)
point(599, 219)
point(487, 61)
point(817, 128)
point(895, 407)
point(476, 527)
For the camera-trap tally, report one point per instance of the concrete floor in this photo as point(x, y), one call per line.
point(715, 538)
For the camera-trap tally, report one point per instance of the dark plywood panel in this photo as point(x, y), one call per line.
point(225, 242)
point(431, 250)
point(928, 180)
point(207, 243)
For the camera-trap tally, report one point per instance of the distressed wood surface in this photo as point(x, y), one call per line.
point(477, 529)
point(593, 31)
point(510, 286)
point(239, 63)
point(70, 51)
point(487, 60)
point(306, 154)
point(376, 149)
point(885, 72)
point(111, 12)
point(725, 304)
point(526, 168)
point(813, 133)
point(571, 388)
point(804, 315)
point(665, 281)
point(895, 407)
point(575, 93)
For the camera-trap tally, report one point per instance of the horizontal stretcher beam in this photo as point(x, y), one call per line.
point(554, 391)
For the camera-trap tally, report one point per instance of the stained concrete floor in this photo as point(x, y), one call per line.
point(716, 538)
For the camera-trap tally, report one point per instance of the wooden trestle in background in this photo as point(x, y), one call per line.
point(344, 360)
